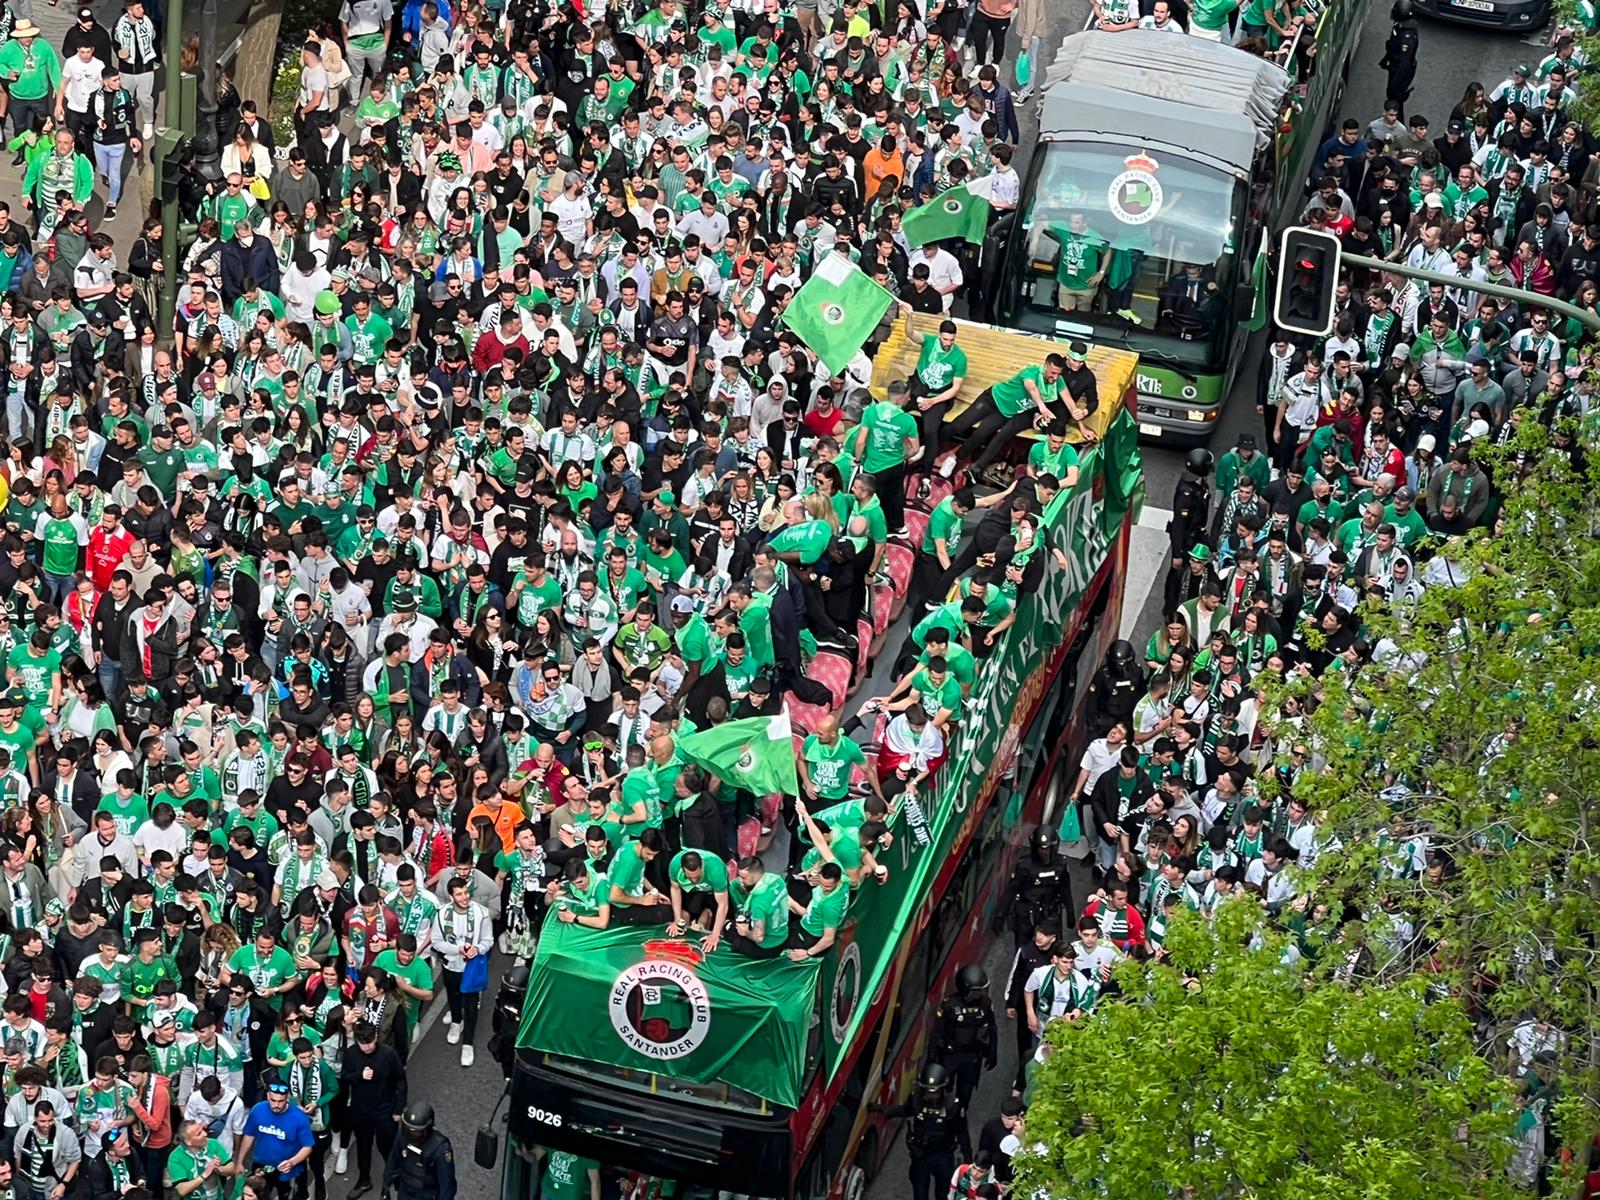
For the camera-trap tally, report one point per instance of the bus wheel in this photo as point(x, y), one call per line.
point(855, 1183)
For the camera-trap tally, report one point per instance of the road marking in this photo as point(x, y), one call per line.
point(1154, 518)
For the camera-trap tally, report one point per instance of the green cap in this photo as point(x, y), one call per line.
point(1201, 553)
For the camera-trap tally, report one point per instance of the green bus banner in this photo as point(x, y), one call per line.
point(665, 1008)
point(636, 999)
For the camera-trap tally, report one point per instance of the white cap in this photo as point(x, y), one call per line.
point(1478, 429)
point(1427, 442)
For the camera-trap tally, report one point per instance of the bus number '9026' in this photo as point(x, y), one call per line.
point(545, 1118)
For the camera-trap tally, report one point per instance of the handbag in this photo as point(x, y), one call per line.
point(475, 974)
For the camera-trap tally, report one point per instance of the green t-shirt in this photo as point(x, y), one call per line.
point(419, 975)
point(641, 786)
point(368, 338)
point(1011, 395)
point(276, 970)
point(34, 672)
point(945, 695)
point(60, 538)
point(826, 910)
point(713, 874)
point(944, 522)
point(938, 367)
point(809, 539)
point(768, 902)
point(829, 766)
point(163, 469)
point(143, 976)
point(887, 428)
point(185, 1164)
point(1044, 461)
point(1080, 257)
point(566, 1176)
point(627, 870)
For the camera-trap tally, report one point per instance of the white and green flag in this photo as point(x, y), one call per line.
point(836, 310)
point(958, 212)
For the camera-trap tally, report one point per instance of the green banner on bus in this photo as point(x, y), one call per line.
point(674, 1012)
point(635, 999)
point(1084, 523)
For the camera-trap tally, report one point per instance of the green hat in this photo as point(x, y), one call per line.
point(327, 302)
point(665, 497)
point(1201, 553)
point(448, 161)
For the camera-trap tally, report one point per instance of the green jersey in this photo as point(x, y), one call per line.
point(62, 538)
point(767, 904)
point(887, 426)
point(830, 766)
point(937, 367)
point(826, 910)
point(184, 1165)
point(713, 873)
point(1011, 396)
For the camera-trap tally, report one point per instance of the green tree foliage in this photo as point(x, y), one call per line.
point(1360, 1047)
point(1228, 1070)
point(1472, 734)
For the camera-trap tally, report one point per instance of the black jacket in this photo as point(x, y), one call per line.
point(384, 1094)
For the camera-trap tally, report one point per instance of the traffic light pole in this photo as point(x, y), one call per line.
point(179, 124)
point(1589, 320)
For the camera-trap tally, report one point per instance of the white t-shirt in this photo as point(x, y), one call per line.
point(572, 216)
point(1097, 759)
point(82, 80)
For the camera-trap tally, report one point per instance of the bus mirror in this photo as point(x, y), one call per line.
point(1308, 276)
point(486, 1147)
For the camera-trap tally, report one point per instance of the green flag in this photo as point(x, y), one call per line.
point(957, 213)
point(753, 753)
point(836, 310)
point(1258, 280)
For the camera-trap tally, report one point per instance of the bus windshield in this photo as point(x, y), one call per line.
point(1139, 250)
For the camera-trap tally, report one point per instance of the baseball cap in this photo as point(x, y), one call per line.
point(683, 604)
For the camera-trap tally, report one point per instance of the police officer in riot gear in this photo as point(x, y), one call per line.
point(506, 1016)
point(1191, 507)
point(1039, 887)
point(964, 1032)
point(938, 1127)
point(1400, 51)
point(421, 1166)
point(1116, 688)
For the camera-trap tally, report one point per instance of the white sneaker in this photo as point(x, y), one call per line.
point(505, 943)
point(341, 1161)
point(448, 1019)
point(948, 467)
point(453, 1036)
point(466, 1055)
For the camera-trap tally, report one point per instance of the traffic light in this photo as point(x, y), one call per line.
point(1308, 274)
point(172, 147)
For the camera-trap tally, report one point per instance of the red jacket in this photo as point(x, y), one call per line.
point(490, 350)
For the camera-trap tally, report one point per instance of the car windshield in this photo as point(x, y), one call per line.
point(1139, 250)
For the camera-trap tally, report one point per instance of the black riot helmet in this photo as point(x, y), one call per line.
point(933, 1080)
point(973, 978)
point(1121, 657)
point(1044, 842)
point(418, 1120)
point(1401, 10)
point(1200, 461)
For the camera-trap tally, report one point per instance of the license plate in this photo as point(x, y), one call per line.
point(1475, 5)
point(1150, 430)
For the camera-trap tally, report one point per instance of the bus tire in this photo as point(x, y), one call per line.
point(868, 1162)
point(855, 1182)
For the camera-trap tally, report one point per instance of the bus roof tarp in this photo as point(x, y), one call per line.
point(590, 991)
point(1202, 96)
